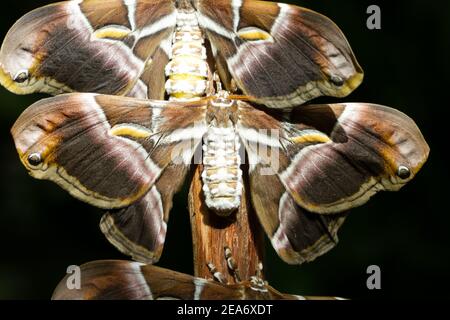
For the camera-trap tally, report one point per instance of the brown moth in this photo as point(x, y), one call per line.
point(281, 55)
point(303, 167)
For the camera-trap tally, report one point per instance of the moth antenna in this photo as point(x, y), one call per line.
point(217, 275)
point(232, 265)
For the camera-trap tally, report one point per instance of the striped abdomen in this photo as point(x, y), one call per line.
point(222, 176)
point(187, 70)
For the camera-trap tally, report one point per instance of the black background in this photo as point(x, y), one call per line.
point(43, 230)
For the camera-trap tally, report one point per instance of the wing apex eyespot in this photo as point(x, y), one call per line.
point(21, 76)
point(34, 159)
point(403, 172)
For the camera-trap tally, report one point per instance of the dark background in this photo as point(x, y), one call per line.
point(406, 64)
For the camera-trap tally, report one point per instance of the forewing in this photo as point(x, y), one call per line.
point(125, 280)
point(343, 154)
point(282, 55)
point(104, 46)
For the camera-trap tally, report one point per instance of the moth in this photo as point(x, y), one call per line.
point(135, 281)
point(304, 167)
point(280, 55)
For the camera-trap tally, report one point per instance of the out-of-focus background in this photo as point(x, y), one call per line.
point(43, 230)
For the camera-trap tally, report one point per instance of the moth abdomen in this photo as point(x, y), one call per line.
point(187, 71)
point(222, 176)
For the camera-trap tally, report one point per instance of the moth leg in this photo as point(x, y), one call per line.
point(257, 281)
point(259, 271)
point(232, 265)
point(258, 284)
point(217, 275)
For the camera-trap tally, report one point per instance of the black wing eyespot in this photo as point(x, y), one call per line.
point(35, 159)
point(337, 80)
point(21, 76)
point(403, 172)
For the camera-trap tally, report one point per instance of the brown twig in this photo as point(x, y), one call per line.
point(241, 232)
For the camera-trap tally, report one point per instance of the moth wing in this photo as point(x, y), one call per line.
point(122, 154)
point(280, 54)
point(126, 280)
point(297, 235)
point(308, 166)
point(140, 230)
point(110, 47)
point(108, 280)
point(342, 154)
